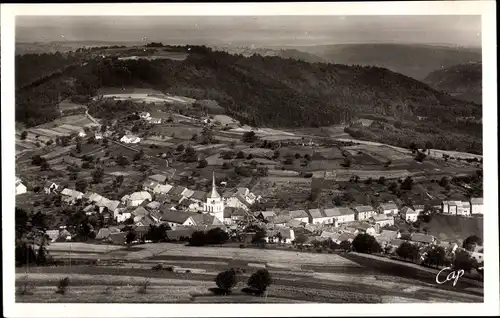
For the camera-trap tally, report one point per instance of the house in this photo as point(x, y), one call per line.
point(180, 234)
point(139, 213)
point(130, 139)
point(300, 215)
point(162, 188)
point(382, 220)
point(237, 200)
point(295, 223)
point(205, 219)
point(419, 208)
point(346, 236)
point(364, 212)
point(388, 208)
point(280, 235)
point(50, 187)
point(121, 215)
point(145, 221)
point(53, 235)
point(109, 205)
point(386, 236)
point(265, 215)
point(341, 215)
point(105, 232)
point(456, 207)
point(316, 216)
point(155, 205)
point(477, 253)
point(198, 196)
point(176, 191)
point(82, 134)
point(363, 227)
point(20, 187)
point(70, 195)
point(159, 178)
point(233, 215)
point(98, 136)
point(408, 214)
point(136, 198)
point(281, 219)
point(394, 244)
point(145, 115)
point(334, 236)
point(476, 206)
point(177, 218)
point(155, 120)
point(422, 238)
point(149, 185)
point(449, 247)
point(187, 193)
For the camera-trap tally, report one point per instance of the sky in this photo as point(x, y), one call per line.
point(258, 30)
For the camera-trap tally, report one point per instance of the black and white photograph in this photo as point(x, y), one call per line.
point(168, 157)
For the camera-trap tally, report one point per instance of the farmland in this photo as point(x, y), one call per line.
point(297, 277)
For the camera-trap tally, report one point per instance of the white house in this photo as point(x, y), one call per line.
point(363, 227)
point(300, 215)
point(382, 220)
point(136, 198)
point(283, 235)
point(98, 136)
point(340, 215)
point(476, 205)
point(121, 215)
point(50, 187)
point(82, 134)
point(456, 207)
point(162, 188)
point(130, 139)
point(237, 201)
point(20, 187)
point(155, 120)
point(318, 217)
point(419, 208)
point(364, 212)
point(408, 214)
point(388, 208)
point(145, 115)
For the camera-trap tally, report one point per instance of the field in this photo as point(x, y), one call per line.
point(74, 120)
point(297, 277)
point(66, 106)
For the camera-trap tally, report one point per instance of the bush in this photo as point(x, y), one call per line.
point(365, 243)
point(226, 280)
point(62, 287)
point(216, 236)
point(243, 246)
point(198, 238)
point(260, 280)
point(202, 163)
point(157, 267)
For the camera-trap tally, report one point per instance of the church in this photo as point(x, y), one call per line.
point(215, 203)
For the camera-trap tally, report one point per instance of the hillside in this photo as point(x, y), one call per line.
point(416, 61)
point(258, 90)
point(287, 53)
point(462, 81)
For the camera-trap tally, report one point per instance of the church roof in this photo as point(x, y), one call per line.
point(214, 194)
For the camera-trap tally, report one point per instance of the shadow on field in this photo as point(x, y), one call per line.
point(405, 271)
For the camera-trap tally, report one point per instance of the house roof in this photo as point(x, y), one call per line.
point(386, 236)
point(408, 210)
point(242, 191)
point(346, 236)
point(364, 208)
point(316, 213)
point(177, 190)
point(338, 211)
point(48, 184)
point(361, 226)
point(187, 193)
point(294, 223)
point(198, 195)
point(142, 229)
point(381, 217)
point(205, 219)
point(158, 178)
point(140, 195)
point(396, 242)
point(118, 238)
point(146, 221)
point(281, 218)
point(422, 238)
point(176, 216)
point(71, 193)
point(476, 200)
point(161, 197)
point(285, 232)
point(140, 211)
point(389, 206)
point(333, 235)
point(267, 214)
point(162, 188)
point(298, 214)
point(149, 184)
point(153, 205)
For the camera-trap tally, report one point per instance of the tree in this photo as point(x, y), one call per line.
point(198, 238)
point(471, 242)
point(436, 256)
point(300, 239)
point(347, 163)
point(240, 155)
point(202, 163)
point(81, 185)
point(259, 236)
point(189, 155)
point(381, 180)
point(98, 175)
point(307, 157)
point(216, 236)
point(407, 184)
point(262, 171)
point(73, 175)
point(119, 180)
point(420, 156)
point(463, 261)
point(297, 155)
point(138, 156)
point(393, 187)
point(413, 147)
point(407, 251)
point(131, 236)
point(122, 161)
point(249, 136)
point(365, 243)
point(444, 182)
point(345, 245)
point(79, 147)
point(260, 280)
point(226, 280)
point(45, 166)
point(180, 148)
point(276, 154)
point(226, 165)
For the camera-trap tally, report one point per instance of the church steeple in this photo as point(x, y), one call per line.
point(214, 194)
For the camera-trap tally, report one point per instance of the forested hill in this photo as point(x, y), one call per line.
point(258, 90)
point(462, 81)
point(409, 59)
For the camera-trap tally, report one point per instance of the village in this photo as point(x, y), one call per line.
point(180, 164)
